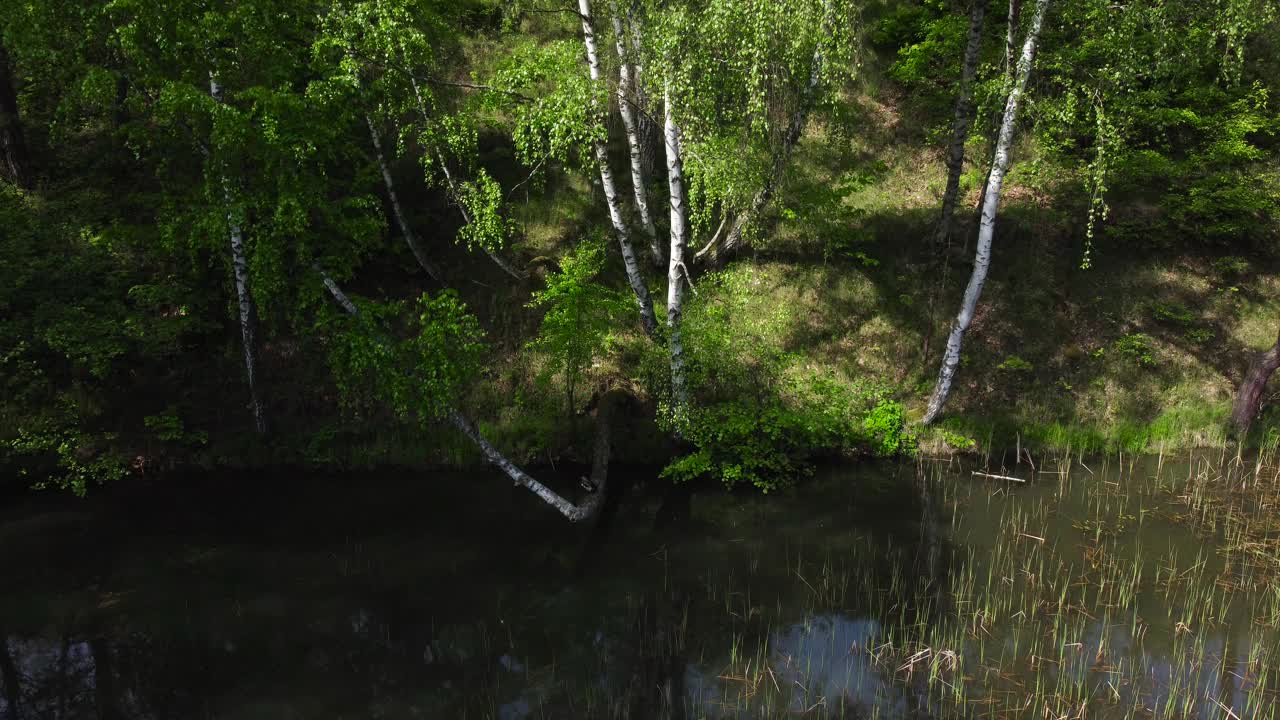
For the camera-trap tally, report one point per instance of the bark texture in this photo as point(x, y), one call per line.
point(401, 219)
point(601, 461)
point(610, 188)
point(987, 226)
point(13, 146)
point(677, 272)
point(244, 295)
point(627, 109)
point(1011, 38)
point(955, 157)
point(961, 124)
point(1249, 396)
point(520, 477)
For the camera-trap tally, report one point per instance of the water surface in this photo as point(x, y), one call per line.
point(1097, 588)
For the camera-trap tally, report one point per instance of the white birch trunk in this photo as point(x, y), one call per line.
point(401, 219)
point(795, 126)
point(610, 188)
point(573, 512)
point(244, 297)
point(627, 109)
point(986, 229)
point(955, 164)
point(677, 272)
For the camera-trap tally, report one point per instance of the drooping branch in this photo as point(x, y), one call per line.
point(781, 159)
point(571, 511)
point(455, 193)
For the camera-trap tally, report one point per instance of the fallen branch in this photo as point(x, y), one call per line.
point(999, 477)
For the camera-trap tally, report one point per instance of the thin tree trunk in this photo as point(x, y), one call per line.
point(648, 130)
point(677, 273)
point(573, 512)
point(955, 159)
point(634, 277)
point(986, 230)
point(453, 190)
point(795, 127)
point(9, 676)
point(1011, 38)
point(244, 296)
point(627, 109)
point(1249, 396)
point(13, 146)
point(401, 219)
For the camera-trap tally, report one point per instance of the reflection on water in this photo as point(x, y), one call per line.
point(863, 594)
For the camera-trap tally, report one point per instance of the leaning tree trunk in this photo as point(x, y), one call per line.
point(627, 109)
point(13, 147)
point(1249, 396)
point(244, 297)
point(571, 511)
point(677, 272)
point(795, 126)
point(401, 219)
point(955, 158)
point(986, 230)
point(610, 188)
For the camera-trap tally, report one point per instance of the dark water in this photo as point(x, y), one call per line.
point(447, 596)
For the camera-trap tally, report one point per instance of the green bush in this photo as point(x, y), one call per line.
point(757, 415)
point(1137, 348)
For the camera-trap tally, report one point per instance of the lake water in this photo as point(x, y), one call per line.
point(1096, 588)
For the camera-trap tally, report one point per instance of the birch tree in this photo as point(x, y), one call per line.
point(955, 156)
point(677, 272)
point(611, 197)
point(628, 105)
point(557, 113)
point(406, 230)
point(745, 79)
point(385, 51)
point(961, 124)
point(986, 230)
point(244, 296)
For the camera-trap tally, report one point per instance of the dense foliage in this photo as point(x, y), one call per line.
point(200, 206)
